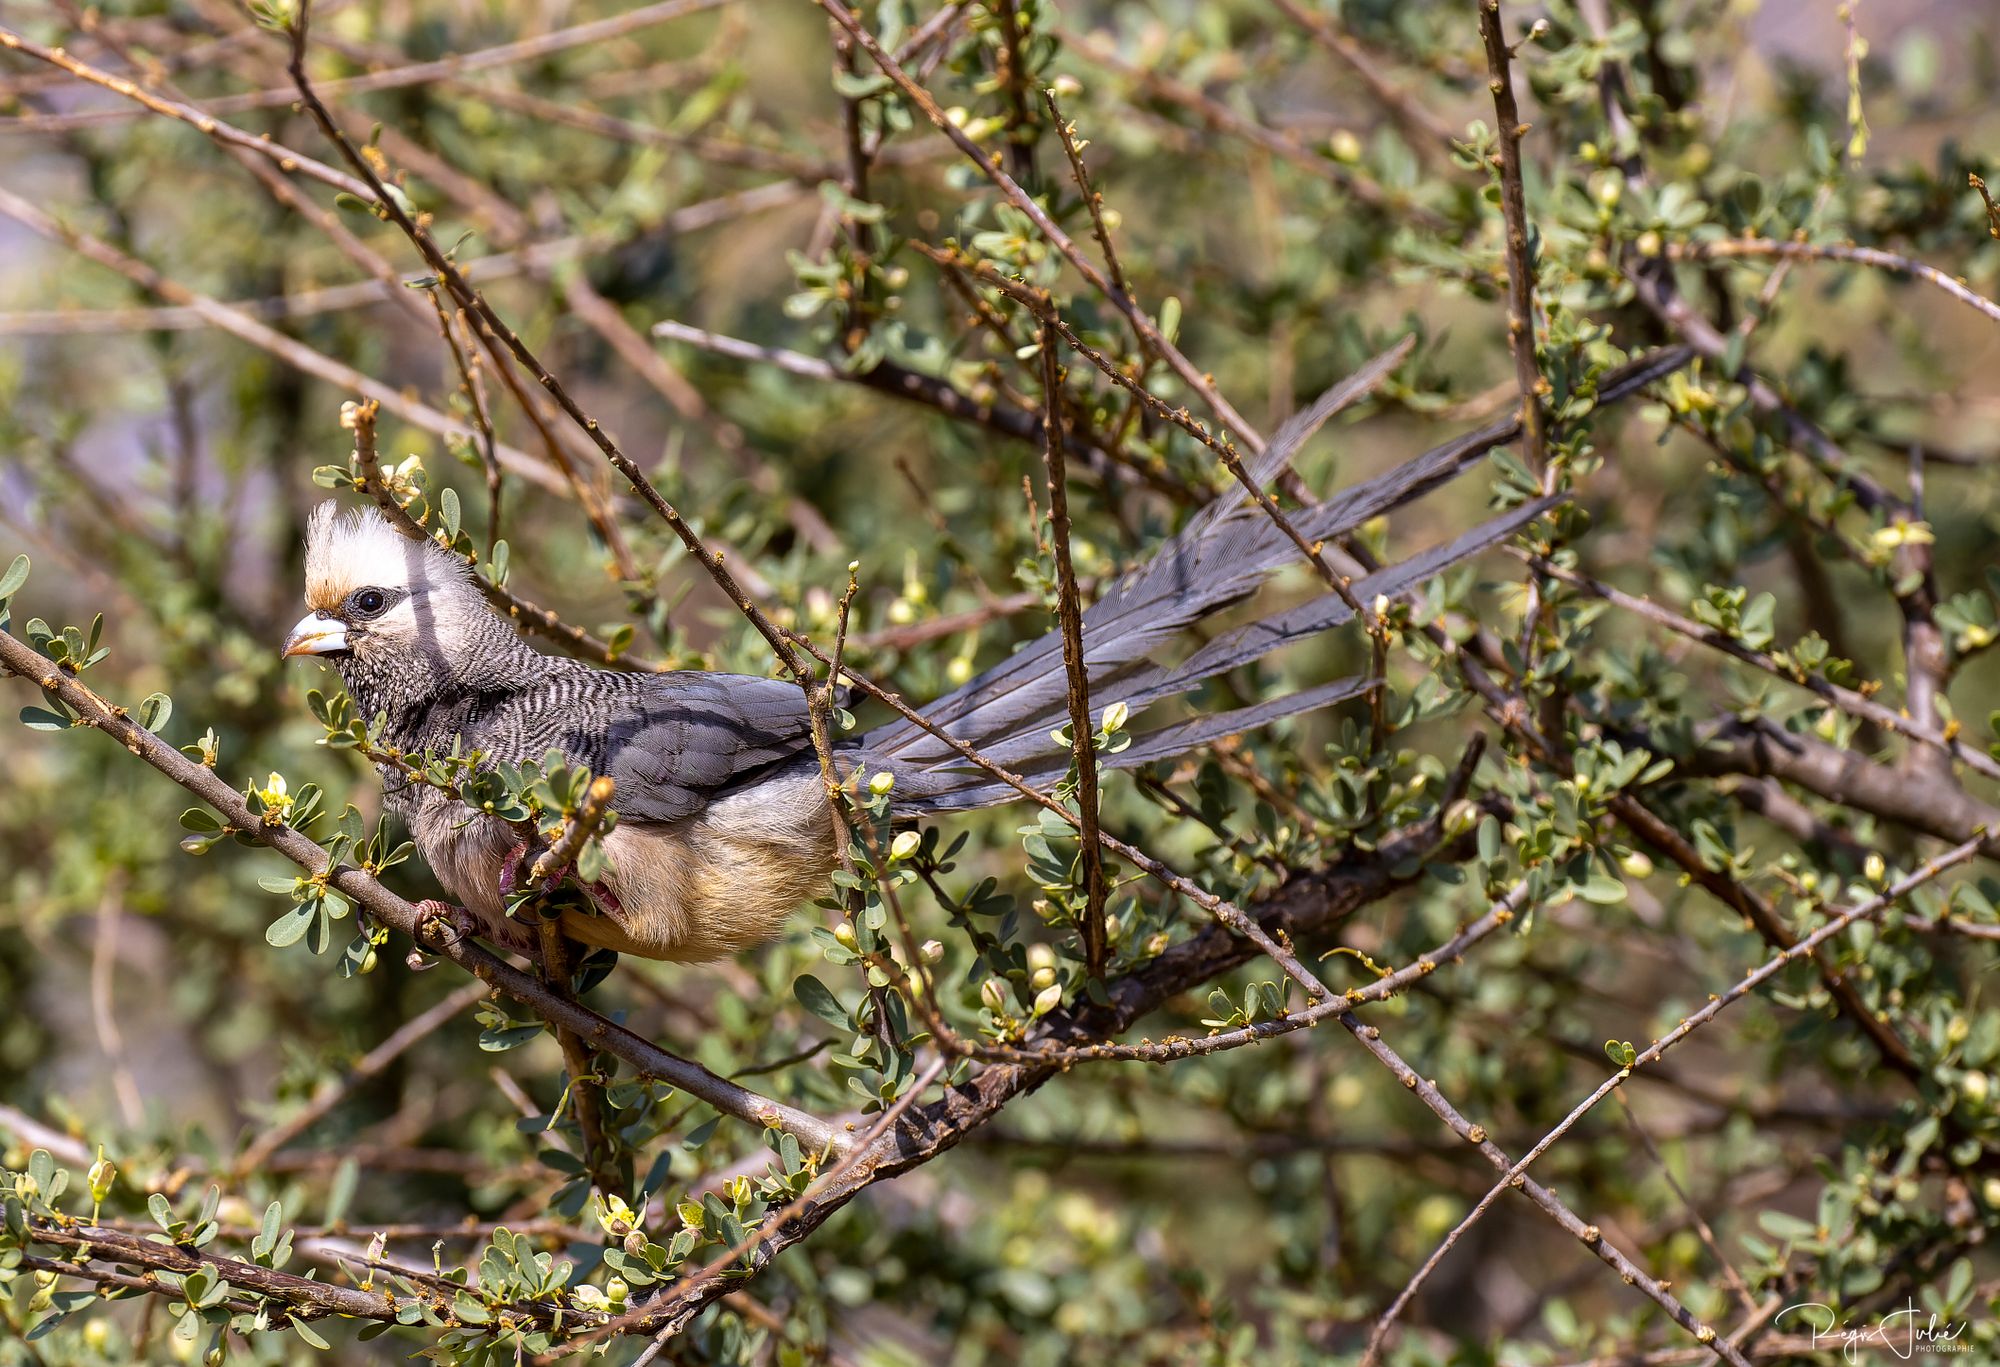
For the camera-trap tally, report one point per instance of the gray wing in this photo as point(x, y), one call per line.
point(672, 742)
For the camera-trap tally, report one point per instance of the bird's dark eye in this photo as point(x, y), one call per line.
point(368, 602)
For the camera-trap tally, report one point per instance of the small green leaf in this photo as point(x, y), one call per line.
point(16, 575)
point(290, 928)
point(154, 711)
point(816, 997)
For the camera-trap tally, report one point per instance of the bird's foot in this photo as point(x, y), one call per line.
point(440, 925)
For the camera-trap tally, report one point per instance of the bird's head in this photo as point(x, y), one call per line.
point(385, 606)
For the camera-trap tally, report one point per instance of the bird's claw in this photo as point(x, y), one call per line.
point(445, 924)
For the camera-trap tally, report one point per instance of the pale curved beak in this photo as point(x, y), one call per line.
point(316, 634)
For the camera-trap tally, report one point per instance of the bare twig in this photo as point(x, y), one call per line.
point(1069, 611)
point(1520, 262)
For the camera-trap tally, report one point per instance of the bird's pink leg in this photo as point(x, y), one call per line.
point(462, 923)
point(510, 867)
point(599, 892)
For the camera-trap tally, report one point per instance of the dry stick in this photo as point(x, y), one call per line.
point(290, 162)
point(1733, 248)
point(746, 155)
point(1069, 614)
point(1700, 1222)
point(330, 1093)
point(296, 354)
point(103, 1010)
point(475, 302)
point(524, 614)
point(1514, 208)
point(1590, 1236)
point(950, 623)
point(311, 302)
point(313, 1298)
point(604, 318)
point(1652, 1054)
point(1174, 1047)
point(1056, 237)
point(475, 398)
point(1846, 699)
point(1007, 419)
point(397, 78)
point(1435, 135)
point(596, 507)
point(362, 887)
point(1093, 203)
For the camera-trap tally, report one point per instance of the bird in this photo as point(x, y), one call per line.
point(724, 825)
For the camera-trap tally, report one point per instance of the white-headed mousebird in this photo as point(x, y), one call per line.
point(723, 822)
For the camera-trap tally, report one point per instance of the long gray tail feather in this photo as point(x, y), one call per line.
point(965, 788)
point(1223, 553)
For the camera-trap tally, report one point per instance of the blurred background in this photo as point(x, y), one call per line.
point(1291, 209)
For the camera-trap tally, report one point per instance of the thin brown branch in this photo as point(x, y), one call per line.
point(1069, 613)
point(288, 161)
point(1520, 262)
point(1715, 1005)
point(395, 78)
point(1738, 248)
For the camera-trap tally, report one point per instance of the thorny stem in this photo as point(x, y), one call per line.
point(1513, 208)
point(1069, 612)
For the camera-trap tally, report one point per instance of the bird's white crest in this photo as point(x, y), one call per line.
point(361, 550)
